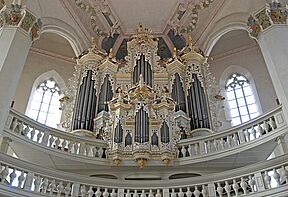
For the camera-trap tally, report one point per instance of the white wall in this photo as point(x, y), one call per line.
point(252, 60)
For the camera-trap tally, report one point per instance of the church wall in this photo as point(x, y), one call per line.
point(37, 64)
point(252, 60)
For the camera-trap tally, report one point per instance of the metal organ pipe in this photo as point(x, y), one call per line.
point(178, 94)
point(84, 113)
point(142, 67)
point(105, 95)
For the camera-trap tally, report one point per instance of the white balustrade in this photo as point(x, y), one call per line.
point(253, 130)
point(20, 175)
point(53, 138)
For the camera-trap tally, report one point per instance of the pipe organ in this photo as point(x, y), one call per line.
point(141, 108)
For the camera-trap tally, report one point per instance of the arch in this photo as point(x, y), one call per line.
point(212, 40)
point(44, 76)
point(243, 71)
point(59, 27)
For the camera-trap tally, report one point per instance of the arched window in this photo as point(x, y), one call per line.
point(241, 99)
point(45, 103)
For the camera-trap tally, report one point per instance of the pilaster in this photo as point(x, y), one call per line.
point(18, 29)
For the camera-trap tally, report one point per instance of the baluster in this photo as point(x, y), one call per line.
point(14, 125)
point(180, 193)
point(21, 178)
point(247, 135)
point(227, 188)
point(51, 140)
point(60, 189)
point(76, 147)
point(45, 139)
point(90, 192)
point(267, 180)
point(70, 146)
point(284, 174)
point(235, 187)
point(241, 137)
point(188, 193)
point(24, 131)
point(215, 145)
point(208, 146)
point(158, 194)
point(229, 141)
point(219, 190)
point(87, 149)
point(100, 152)
point(98, 192)
point(253, 132)
point(252, 183)
point(272, 123)
point(32, 132)
point(266, 126)
point(44, 185)
point(244, 185)
point(196, 147)
point(21, 128)
point(52, 187)
point(183, 151)
point(222, 144)
point(37, 184)
point(114, 194)
point(81, 148)
point(39, 135)
point(196, 192)
point(90, 151)
point(204, 191)
point(12, 176)
point(260, 130)
point(276, 176)
point(105, 193)
point(57, 142)
point(128, 194)
point(67, 190)
point(235, 139)
point(94, 151)
point(4, 174)
point(83, 191)
point(64, 143)
point(143, 194)
point(135, 193)
point(190, 150)
point(173, 194)
point(150, 193)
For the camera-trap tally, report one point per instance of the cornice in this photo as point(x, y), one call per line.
point(52, 55)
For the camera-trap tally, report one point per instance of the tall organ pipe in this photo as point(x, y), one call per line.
point(141, 126)
point(84, 112)
point(105, 95)
point(142, 67)
point(197, 105)
point(178, 94)
point(165, 133)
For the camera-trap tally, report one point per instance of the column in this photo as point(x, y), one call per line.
point(18, 29)
point(269, 27)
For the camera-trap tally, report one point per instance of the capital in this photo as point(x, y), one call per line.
point(17, 15)
point(272, 13)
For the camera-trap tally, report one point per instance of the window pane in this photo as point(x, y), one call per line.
point(239, 93)
point(35, 105)
point(243, 110)
point(254, 115)
point(245, 118)
point(247, 91)
point(241, 102)
point(44, 107)
point(250, 99)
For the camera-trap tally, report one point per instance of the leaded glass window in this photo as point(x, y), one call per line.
point(241, 99)
point(45, 104)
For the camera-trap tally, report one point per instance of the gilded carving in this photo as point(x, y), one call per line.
point(28, 21)
point(263, 19)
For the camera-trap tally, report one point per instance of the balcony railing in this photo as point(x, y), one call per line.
point(259, 180)
point(52, 138)
point(235, 138)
